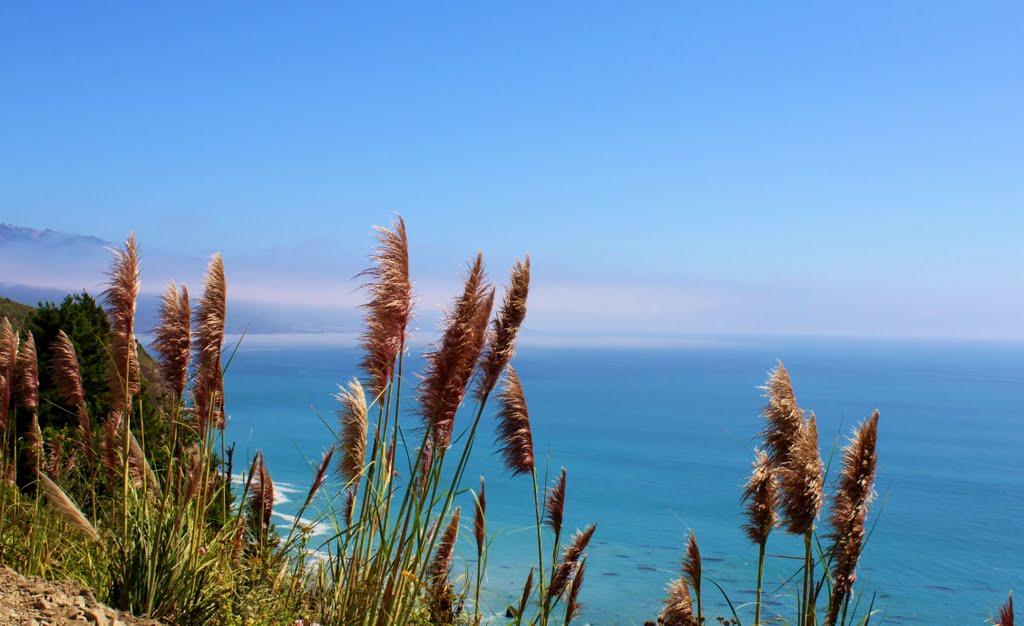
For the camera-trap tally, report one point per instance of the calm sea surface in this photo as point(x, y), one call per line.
point(659, 441)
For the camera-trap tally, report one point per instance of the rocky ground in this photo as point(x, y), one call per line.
point(35, 602)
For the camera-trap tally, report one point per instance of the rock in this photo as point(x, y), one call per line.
point(96, 616)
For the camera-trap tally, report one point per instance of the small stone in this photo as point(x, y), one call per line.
point(96, 616)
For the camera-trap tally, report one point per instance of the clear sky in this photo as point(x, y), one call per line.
point(672, 167)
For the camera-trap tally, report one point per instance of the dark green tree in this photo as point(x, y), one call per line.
point(85, 322)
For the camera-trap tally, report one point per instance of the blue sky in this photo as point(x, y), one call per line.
point(671, 167)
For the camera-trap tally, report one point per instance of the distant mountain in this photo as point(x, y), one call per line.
point(40, 265)
point(13, 234)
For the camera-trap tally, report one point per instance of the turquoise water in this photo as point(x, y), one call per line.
point(658, 441)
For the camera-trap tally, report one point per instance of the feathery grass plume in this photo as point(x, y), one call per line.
point(8, 368)
point(692, 568)
point(354, 425)
point(34, 444)
point(238, 542)
point(501, 341)
point(261, 493)
point(54, 452)
point(66, 507)
point(1006, 613)
point(441, 566)
point(110, 450)
point(68, 376)
point(850, 511)
point(515, 438)
point(801, 481)
point(479, 518)
point(8, 348)
point(28, 374)
point(450, 366)
point(573, 605)
point(140, 467)
point(320, 476)
point(173, 337)
point(426, 464)
point(570, 559)
point(208, 331)
point(525, 597)
point(554, 504)
point(678, 609)
point(390, 307)
point(349, 505)
point(66, 372)
point(759, 494)
point(3, 407)
point(782, 415)
point(121, 296)
point(194, 472)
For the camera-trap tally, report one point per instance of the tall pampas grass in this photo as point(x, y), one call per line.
point(441, 566)
point(554, 505)
point(34, 444)
point(515, 439)
point(1006, 613)
point(208, 341)
point(8, 348)
point(571, 556)
point(121, 296)
point(67, 375)
point(572, 602)
point(678, 608)
point(28, 374)
point(783, 417)
point(354, 425)
point(68, 378)
point(479, 518)
point(4, 402)
point(348, 506)
point(320, 476)
point(501, 342)
point(760, 495)
point(441, 600)
point(261, 494)
point(692, 569)
point(801, 481)
point(173, 337)
point(450, 366)
point(850, 511)
point(140, 467)
point(390, 307)
point(8, 368)
point(66, 507)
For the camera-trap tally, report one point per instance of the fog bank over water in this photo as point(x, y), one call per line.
point(301, 291)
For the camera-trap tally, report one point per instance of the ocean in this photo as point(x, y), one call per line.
point(658, 442)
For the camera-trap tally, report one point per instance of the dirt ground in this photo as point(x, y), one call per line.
point(35, 602)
